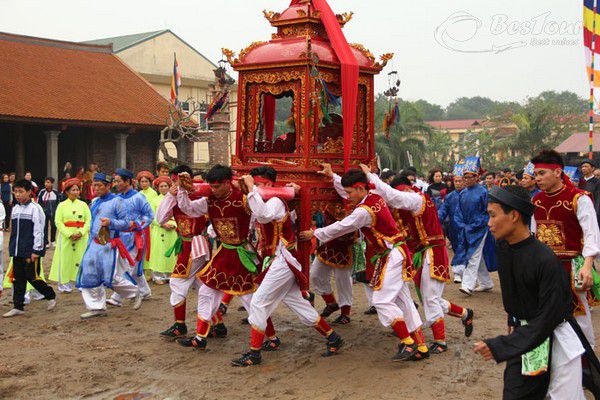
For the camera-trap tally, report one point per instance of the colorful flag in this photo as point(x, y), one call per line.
point(175, 82)
point(591, 26)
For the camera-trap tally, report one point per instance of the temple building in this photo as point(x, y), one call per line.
point(63, 101)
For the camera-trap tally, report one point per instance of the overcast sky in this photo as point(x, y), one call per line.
point(503, 49)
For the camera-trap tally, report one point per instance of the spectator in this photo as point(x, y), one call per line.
point(28, 177)
point(7, 200)
point(437, 189)
point(490, 180)
point(590, 183)
point(26, 246)
point(49, 198)
point(162, 169)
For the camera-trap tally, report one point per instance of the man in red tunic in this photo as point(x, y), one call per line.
point(335, 257)
point(282, 279)
point(193, 252)
point(427, 244)
point(565, 220)
point(388, 258)
point(233, 267)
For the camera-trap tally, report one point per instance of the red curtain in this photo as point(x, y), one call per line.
point(268, 116)
point(349, 72)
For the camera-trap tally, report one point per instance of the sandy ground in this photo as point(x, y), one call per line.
point(56, 355)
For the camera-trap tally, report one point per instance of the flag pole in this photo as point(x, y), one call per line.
point(592, 83)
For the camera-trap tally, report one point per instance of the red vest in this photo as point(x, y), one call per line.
point(230, 217)
point(423, 229)
point(383, 231)
point(557, 224)
point(338, 252)
point(187, 227)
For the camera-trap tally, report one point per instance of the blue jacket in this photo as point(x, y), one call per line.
point(27, 234)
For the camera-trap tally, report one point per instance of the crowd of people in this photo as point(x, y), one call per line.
point(228, 236)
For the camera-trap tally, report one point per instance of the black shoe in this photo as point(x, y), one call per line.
point(405, 352)
point(175, 331)
point(195, 342)
point(334, 343)
point(342, 320)
point(271, 344)
point(467, 321)
point(310, 298)
point(420, 355)
point(245, 321)
point(241, 308)
point(416, 304)
point(218, 331)
point(249, 359)
point(329, 309)
point(223, 309)
point(371, 311)
point(438, 348)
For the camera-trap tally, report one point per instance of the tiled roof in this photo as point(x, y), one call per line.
point(455, 124)
point(58, 81)
point(122, 42)
point(579, 143)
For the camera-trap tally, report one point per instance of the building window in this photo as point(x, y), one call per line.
point(201, 153)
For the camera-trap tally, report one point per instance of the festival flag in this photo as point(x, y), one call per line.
point(591, 25)
point(175, 82)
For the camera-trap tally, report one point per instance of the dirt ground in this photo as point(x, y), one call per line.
point(48, 355)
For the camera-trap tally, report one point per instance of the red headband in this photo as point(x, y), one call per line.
point(547, 166)
point(71, 182)
point(566, 180)
point(367, 186)
point(260, 179)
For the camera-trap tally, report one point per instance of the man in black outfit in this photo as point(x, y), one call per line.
point(590, 183)
point(544, 347)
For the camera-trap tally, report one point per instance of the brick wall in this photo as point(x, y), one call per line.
point(141, 150)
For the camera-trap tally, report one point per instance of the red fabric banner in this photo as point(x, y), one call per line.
point(349, 64)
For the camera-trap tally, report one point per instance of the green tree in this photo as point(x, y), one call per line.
point(439, 151)
point(430, 112)
point(404, 143)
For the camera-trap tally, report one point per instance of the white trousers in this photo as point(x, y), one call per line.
point(209, 300)
point(412, 319)
point(180, 287)
point(392, 298)
point(279, 285)
point(320, 274)
point(585, 321)
point(95, 298)
point(123, 266)
point(458, 269)
point(476, 270)
point(432, 290)
point(565, 370)
point(368, 294)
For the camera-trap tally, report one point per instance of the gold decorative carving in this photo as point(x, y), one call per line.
point(248, 49)
point(231, 57)
point(333, 146)
point(301, 13)
point(384, 60)
point(271, 15)
point(344, 18)
point(363, 50)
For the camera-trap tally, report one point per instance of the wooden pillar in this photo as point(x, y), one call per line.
point(19, 151)
point(121, 150)
point(52, 153)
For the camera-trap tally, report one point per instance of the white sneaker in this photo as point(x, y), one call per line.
point(457, 279)
point(13, 313)
point(146, 296)
point(466, 291)
point(483, 288)
point(114, 303)
point(93, 314)
point(51, 304)
point(137, 301)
